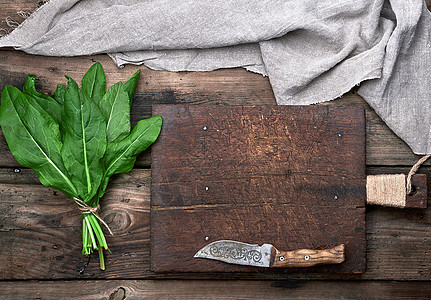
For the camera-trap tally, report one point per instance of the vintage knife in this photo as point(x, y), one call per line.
point(267, 255)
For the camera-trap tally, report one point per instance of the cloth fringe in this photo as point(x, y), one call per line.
point(11, 23)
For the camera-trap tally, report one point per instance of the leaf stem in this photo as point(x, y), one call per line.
point(101, 258)
point(93, 240)
point(84, 237)
point(98, 231)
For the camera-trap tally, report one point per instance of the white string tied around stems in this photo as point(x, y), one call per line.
point(86, 209)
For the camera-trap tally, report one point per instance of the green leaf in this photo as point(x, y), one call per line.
point(59, 97)
point(49, 104)
point(84, 140)
point(34, 139)
point(94, 83)
point(59, 93)
point(121, 156)
point(115, 107)
point(77, 139)
point(131, 84)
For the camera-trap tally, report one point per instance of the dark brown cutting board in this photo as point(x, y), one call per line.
point(292, 176)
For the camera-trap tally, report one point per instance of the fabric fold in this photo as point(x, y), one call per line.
point(311, 51)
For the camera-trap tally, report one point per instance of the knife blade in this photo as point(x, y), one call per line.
point(267, 255)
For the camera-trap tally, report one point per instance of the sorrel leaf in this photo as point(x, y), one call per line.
point(94, 83)
point(34, 139)
point(121, 156)
point(84, 140)
point(59, 93)
point(65, 140)
point(115, 107)
point(51, 106)
point(131, 84)
point(59, 97)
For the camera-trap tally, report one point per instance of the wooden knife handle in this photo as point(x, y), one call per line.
point(307, 257)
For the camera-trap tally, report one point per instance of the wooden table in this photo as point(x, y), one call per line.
point(40, 237)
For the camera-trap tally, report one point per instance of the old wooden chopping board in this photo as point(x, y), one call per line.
point(291, 176)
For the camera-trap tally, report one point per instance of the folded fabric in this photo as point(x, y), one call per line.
point(312, 51)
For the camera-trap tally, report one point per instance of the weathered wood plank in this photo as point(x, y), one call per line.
point(418, 197)
point(293, 176)
point(221, 289)
point(398, 240)
point(286, 227)
point(38, 224)
point(40, 235)
point(383, 147)
point(229, 86)
point(260, 189)
point(247, 141)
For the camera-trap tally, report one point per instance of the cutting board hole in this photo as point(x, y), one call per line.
point(413, 191)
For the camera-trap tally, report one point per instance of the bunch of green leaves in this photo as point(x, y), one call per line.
point(76, 140)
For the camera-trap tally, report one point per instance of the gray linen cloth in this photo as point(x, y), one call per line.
point(312, 51)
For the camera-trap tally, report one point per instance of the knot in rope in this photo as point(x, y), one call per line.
point(86, 209)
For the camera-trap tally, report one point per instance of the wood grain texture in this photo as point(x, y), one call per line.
point(418, 197)
point(48, 246)
point(230, 86)
point(249, 141)
point(308, 257)
point(387, 257)
point(287, 228)
point(307, 166)
point(216, 289)
point(41, 237)
point(398, 240)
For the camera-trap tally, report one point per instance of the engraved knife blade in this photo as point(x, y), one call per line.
point(267, 255)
